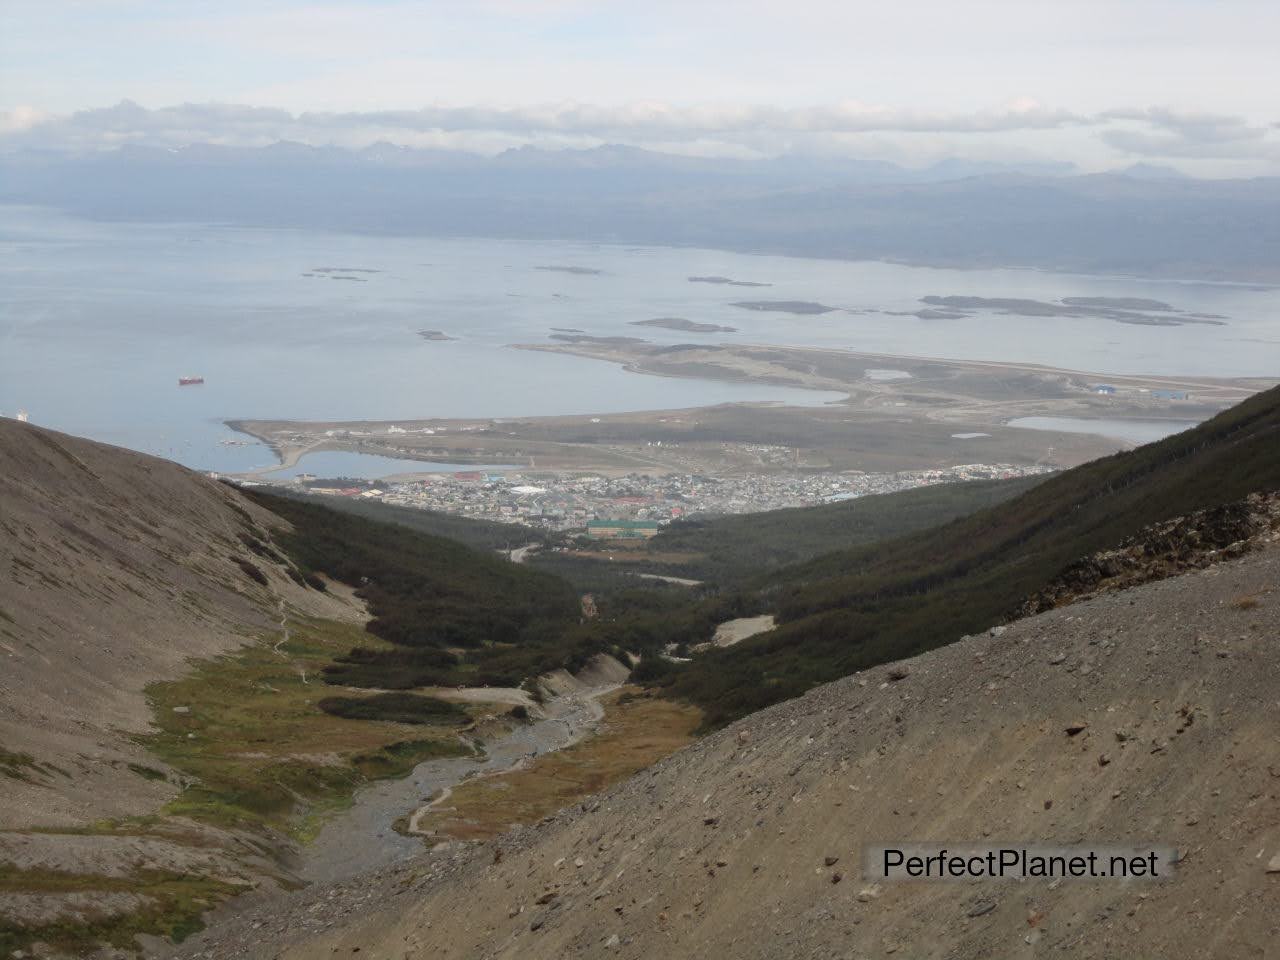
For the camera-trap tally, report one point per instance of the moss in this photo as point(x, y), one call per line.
point(252, 572)
point(171, 905)
point(257, 751)
point(17, 766)
point(638, 731)
point(398, 707)
point(147, 773)
point(20, 766)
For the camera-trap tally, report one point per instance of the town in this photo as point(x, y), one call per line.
point(569, 502)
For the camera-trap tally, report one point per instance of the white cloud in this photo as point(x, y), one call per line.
point(217, 122)
point(1018, 128)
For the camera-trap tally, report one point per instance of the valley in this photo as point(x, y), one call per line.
point(749, 843)
point(681, 481)
point(371, 726)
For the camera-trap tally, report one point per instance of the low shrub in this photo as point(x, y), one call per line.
point(393, 707)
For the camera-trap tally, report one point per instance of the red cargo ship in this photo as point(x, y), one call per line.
point(189, 381)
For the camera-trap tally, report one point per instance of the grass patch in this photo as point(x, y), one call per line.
point(170, 905)
point(17, 766)
point(394, 707)
point(637, 731)
point(251, 737)
point(23, 766)
point(147, 773)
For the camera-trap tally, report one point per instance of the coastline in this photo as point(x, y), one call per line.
point(894, 412)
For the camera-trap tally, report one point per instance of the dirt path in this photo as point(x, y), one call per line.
point(284, 628)
point(679, 581)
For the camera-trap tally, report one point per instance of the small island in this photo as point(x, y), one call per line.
point(799, 307)
point(599, 341)
point(1117, 303)
point(328, 273)
point(687, 326)
point(728, 281)
point(580, 271)
point(1134, 310)
point(434, 335)
point(928, 313)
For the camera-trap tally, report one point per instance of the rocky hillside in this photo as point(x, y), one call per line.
point(115, 570)
point(182, 702)
point(1165, 549)
point(1148, 715)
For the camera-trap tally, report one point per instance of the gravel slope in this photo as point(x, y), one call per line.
point(116, 569)
point(748, 843)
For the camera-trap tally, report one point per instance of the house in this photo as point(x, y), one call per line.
point(1105, 389)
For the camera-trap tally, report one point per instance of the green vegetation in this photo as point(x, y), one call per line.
point(23, 766)
point(252, 572)
point(475, 533)
point(852, 609)
point(256, 750)
point(965, 556)
point(737, 549)
point(17, 766)
point(147, 773)
point(454, 615)
point(638, 731)
point(393, 707)
point(165, 904)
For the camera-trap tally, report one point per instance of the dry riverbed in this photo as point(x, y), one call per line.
point(380, 826)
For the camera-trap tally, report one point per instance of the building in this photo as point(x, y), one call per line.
point(1105, 389)
point(621, 529)
point(1171, 394)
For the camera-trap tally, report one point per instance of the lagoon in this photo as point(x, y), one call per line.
point(1130, 431)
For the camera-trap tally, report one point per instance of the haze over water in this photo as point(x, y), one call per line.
point(99, 320)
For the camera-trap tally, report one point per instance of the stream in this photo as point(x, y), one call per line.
point(362, 837)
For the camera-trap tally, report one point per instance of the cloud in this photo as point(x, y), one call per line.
point(1159, 132)
point(660, 119)
point(726, 129)
point(127, 122)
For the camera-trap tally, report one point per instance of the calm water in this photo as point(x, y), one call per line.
point(1132, 431)
point(97, 322)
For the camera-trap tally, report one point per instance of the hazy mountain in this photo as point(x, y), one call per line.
point(1140, 222)
point(1153, 171)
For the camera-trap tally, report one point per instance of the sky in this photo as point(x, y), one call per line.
point(1187, 83)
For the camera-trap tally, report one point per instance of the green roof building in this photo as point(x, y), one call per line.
point(621, 529)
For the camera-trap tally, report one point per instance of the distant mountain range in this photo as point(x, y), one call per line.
point(1146, 220)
